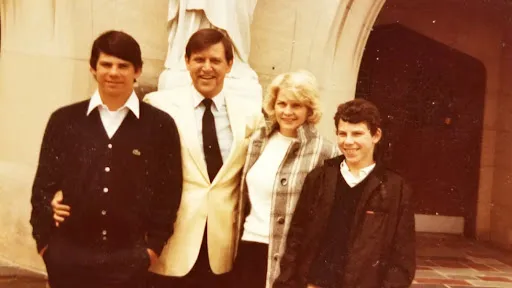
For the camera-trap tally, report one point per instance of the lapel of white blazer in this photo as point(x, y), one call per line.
point(189, 131)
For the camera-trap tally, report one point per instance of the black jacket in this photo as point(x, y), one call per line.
point(381, 244)
point(133, 204)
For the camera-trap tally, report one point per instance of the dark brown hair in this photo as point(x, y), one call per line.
point(204, 38)
point(117, 44)
point(359, 111)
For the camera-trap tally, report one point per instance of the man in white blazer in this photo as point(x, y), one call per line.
point(201, 250)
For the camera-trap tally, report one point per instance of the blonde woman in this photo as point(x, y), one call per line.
point(280, 156)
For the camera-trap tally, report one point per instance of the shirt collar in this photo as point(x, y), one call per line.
point(132, 103)
point(362, 172)
point(218, 101)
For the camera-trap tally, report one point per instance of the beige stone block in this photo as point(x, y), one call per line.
point(151, 70)
point(31, 88)
point(16, 242)
point(439, 224)
point(483, 221)
point(503, 157)
point(488, 148)
point(330, 99)
point(501, 225)
point(325, 37)
point(288, 35)
point(57, 28)
point(145, 20)
point(73, 29)
point(504, 120)
point(272, 37)
point(506, 60)
point(502, 185)
point(485, 185)
point(490, 113)
point(492, 94)
point(265, 80)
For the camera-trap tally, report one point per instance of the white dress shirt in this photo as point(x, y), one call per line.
point(112, 119)
point(222, 125)
point(350, 178)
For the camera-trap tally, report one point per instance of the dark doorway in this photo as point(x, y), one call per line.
point(431, 98)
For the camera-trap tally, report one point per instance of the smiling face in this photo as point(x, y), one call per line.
point(357, 143)
point(115, 76)
point(208, 68)
point(290, 113)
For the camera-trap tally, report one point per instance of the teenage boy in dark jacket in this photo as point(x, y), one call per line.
point(353, 225)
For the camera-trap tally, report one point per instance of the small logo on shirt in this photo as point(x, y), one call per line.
point(136, 152)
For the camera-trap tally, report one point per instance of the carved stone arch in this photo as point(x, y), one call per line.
point(342, 55)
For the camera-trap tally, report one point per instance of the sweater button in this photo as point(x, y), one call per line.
point(276, 257)
point(284, 181)
point(280, 220)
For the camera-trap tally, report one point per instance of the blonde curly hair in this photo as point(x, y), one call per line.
point(302, 86)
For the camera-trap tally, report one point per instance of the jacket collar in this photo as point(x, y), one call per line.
point(305, 132)
point(378, 172)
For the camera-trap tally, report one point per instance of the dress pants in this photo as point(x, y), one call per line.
point(201, 275)
point(251, 265)
point(69, 265)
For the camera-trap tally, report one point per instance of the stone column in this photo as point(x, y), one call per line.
point(497, 210)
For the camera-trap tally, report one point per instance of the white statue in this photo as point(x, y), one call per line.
point(187, 16)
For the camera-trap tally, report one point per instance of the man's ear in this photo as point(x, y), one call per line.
point(377, 136)
point(93, 71)
point(230, 65)
point(187, 62)
point(138, 72)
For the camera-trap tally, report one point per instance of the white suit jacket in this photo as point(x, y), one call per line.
point(201, 200)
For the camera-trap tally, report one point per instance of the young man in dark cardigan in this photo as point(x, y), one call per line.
point(117, 162)
point(353, 225)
